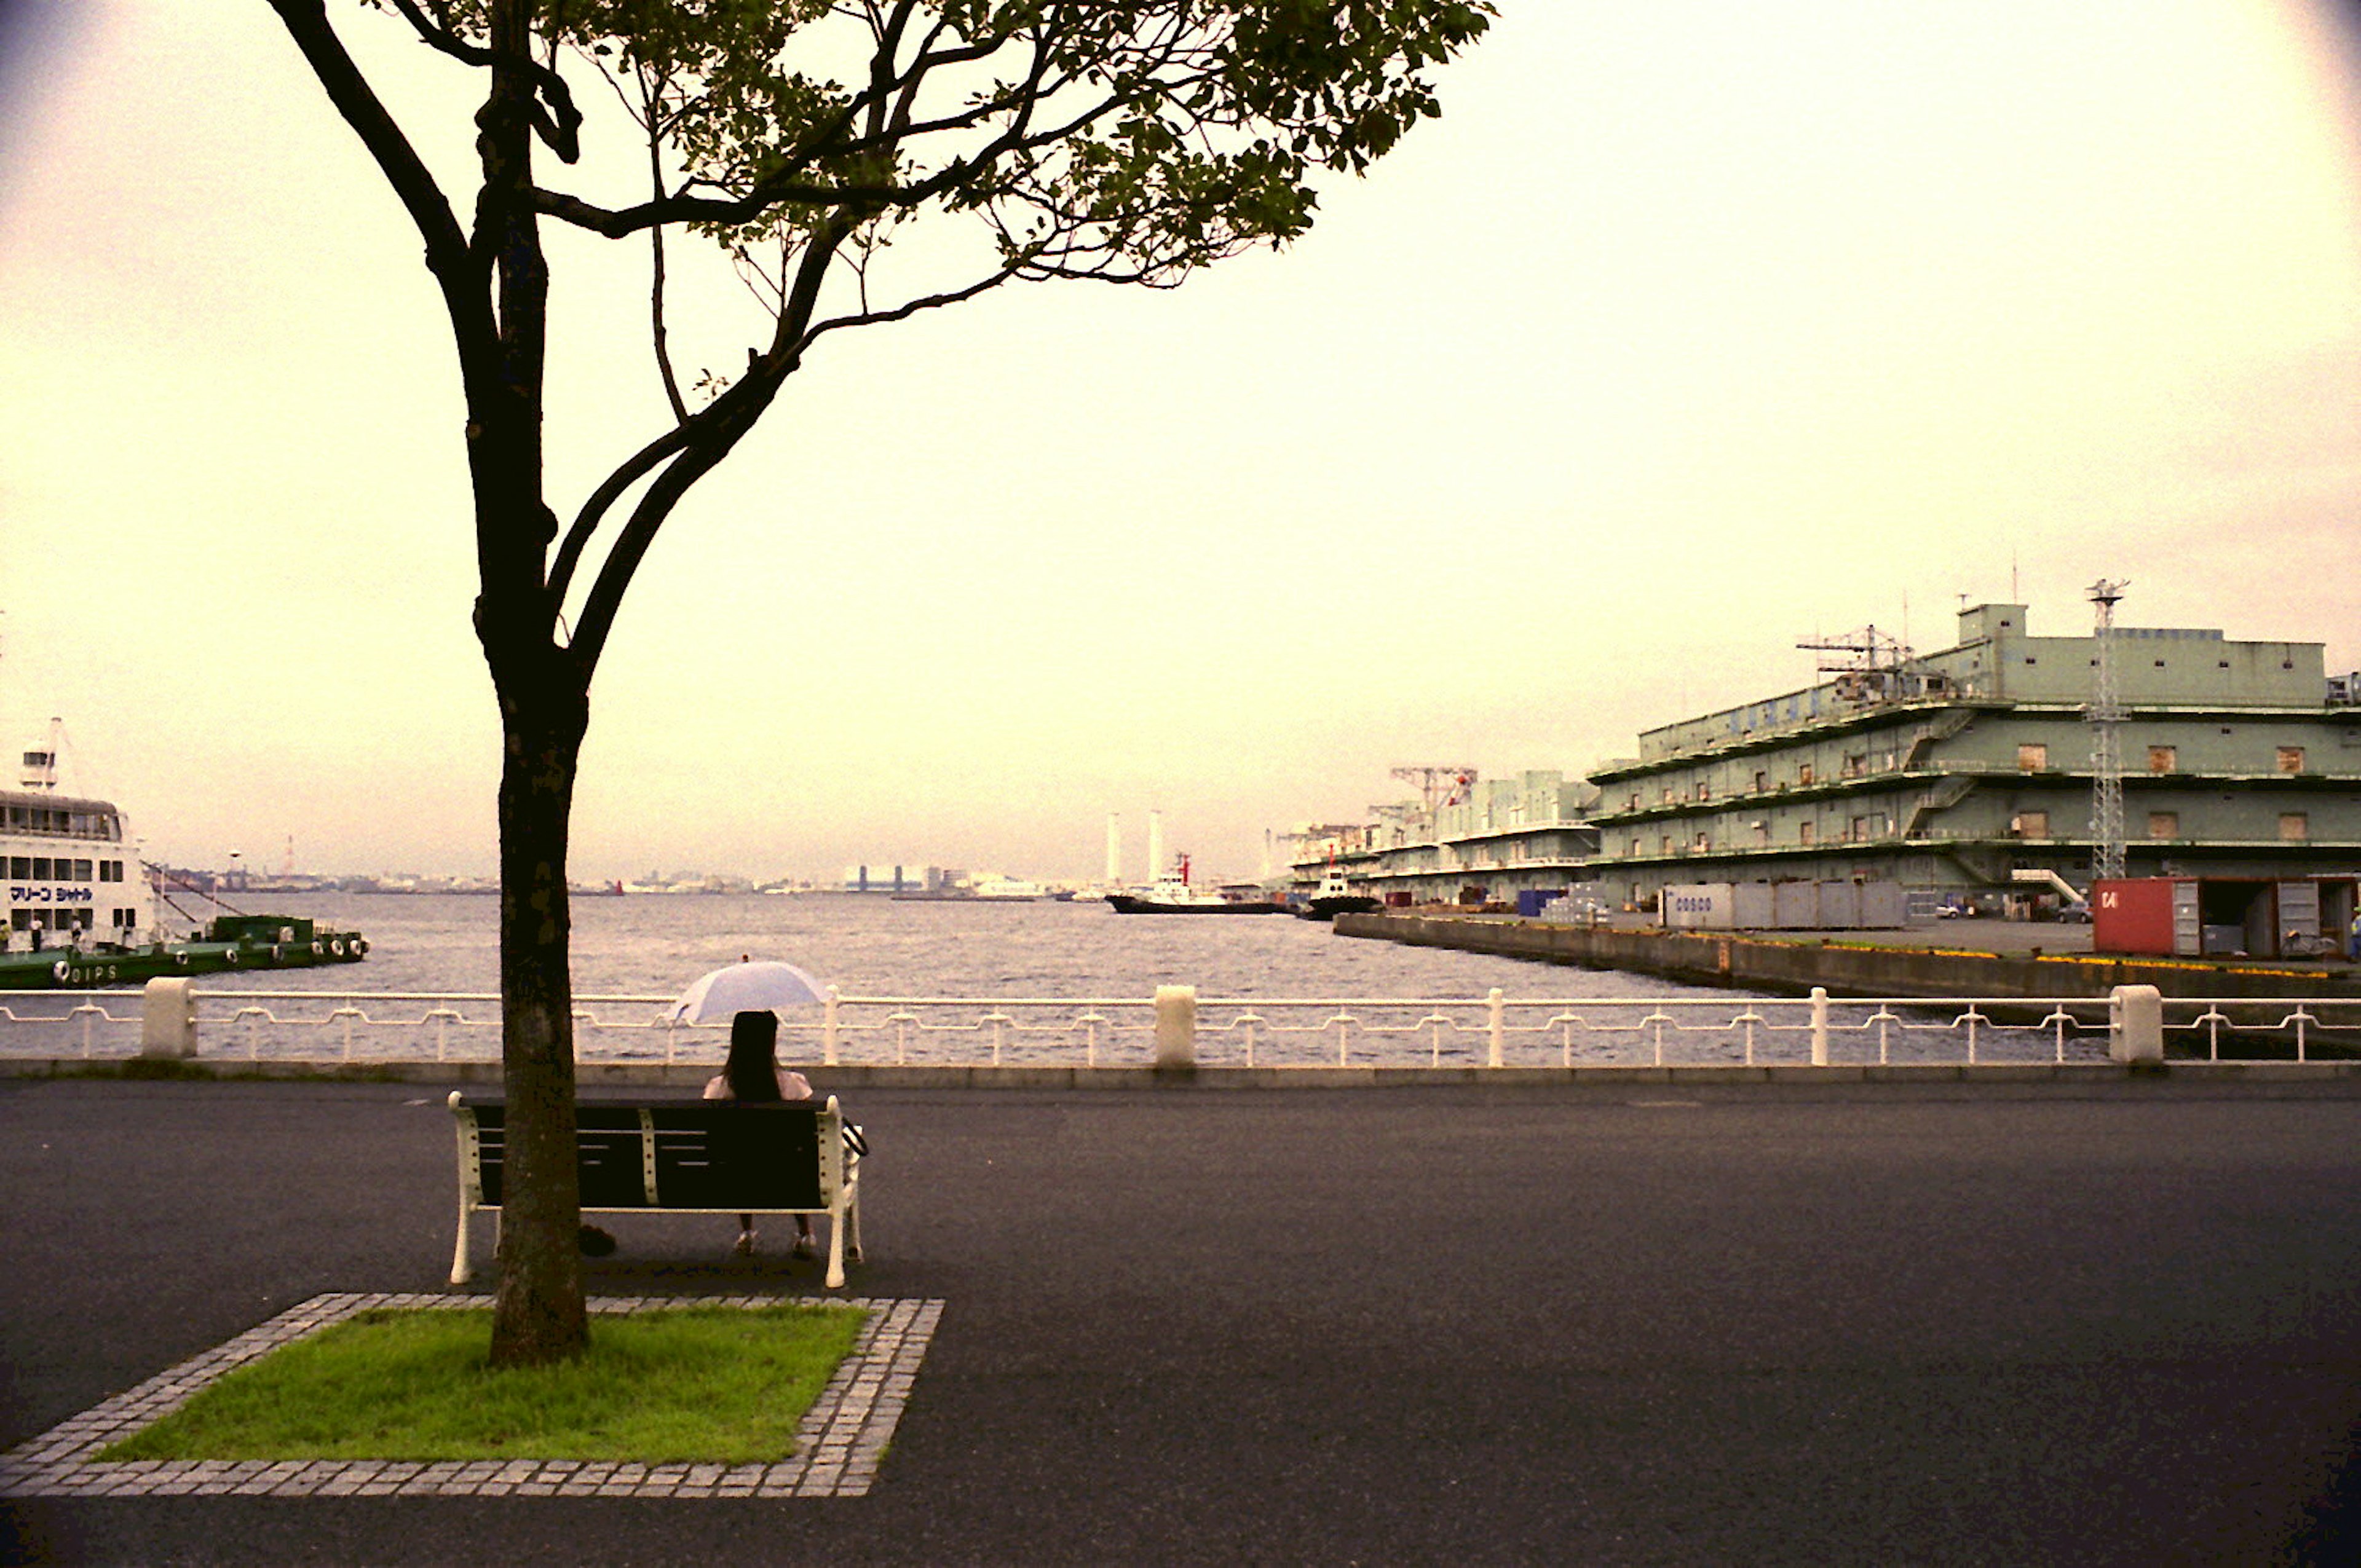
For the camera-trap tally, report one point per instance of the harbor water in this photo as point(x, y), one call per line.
point(992, 983)
point(872, 946)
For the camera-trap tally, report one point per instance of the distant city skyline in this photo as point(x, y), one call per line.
point(1683, 335)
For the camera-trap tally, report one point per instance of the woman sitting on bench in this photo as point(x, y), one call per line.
point(754, 1073)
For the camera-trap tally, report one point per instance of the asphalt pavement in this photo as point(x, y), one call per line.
point(2110, 1322)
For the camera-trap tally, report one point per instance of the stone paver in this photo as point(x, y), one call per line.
point(836, 1449)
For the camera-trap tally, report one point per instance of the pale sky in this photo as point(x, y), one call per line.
point(1690, 330)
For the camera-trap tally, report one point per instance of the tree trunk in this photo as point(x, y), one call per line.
point(538, 1315)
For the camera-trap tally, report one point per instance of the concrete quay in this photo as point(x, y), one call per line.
point(2105, 1320)
point(1982, 959)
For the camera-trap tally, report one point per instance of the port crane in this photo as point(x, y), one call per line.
point(1439, 786)
point(1874, 668)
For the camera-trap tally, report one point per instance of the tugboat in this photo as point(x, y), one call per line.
point(64, 862)
point(1173, 895)
point(1336, 897)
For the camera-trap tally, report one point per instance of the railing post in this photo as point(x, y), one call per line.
point(1492, 1011)
point(1819, 1025)
point(1176, 1028)
point(2136, 1024)
point(828, 1030)
point(168, 1019)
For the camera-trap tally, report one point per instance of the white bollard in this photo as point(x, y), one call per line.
point(1819, 1025)
point(1175, 1026)
point(2136, 1024)
point(1492, 1055)
point(168, 1019)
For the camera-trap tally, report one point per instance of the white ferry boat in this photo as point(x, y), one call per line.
point(70, 876)
point(81, 906)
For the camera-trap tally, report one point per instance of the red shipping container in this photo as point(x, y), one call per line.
point(2134, 916)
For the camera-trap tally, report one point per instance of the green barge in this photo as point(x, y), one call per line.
point(228, 943)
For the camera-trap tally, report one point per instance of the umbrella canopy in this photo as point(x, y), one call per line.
point(746, 988)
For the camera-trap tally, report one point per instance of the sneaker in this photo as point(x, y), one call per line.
point(745, 1247)
point(595, 1242)
point(804, 1246)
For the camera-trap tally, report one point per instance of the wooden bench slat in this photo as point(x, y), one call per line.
point(708, 1157)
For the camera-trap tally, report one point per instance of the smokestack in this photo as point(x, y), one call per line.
point(1114, 848)
point(1154, 845)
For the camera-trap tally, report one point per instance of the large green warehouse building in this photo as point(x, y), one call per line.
point(1952, 772)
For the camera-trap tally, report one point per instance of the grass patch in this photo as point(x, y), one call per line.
point(713, 1384)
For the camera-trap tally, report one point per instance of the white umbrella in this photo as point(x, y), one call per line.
point(746, 988)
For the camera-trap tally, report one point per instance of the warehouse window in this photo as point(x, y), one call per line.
point(2031, 823)
point(2291, 759)
point(2163, 758)
point(2032, 756)
point(2164, 825)
point(2294, 827)
point(1803, 772)
point(1804, 832)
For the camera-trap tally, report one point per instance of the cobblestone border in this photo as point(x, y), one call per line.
point(837, 1447)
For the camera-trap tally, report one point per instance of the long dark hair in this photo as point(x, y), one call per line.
point(754, 1067)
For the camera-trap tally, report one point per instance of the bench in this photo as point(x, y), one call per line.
point(690, 1157)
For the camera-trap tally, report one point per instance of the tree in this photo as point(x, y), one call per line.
point(1127, 141)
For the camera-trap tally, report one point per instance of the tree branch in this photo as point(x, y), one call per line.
point(555, 119)
point(652, 96)
point(910, 307)
point(460, 274)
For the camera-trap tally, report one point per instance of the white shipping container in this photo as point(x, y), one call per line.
point(1885, 906)
point(1794, 906)
point(1749, 906)
point(1698, 907)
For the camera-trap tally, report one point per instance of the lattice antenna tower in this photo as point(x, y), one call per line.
point(2106, 716)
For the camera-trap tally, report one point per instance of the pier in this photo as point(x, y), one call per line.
point(1920, 963)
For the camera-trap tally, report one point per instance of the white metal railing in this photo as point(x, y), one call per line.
point(1492, 1031)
